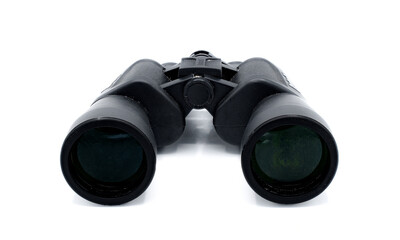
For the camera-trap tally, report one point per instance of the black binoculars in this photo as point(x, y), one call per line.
point(288, 153)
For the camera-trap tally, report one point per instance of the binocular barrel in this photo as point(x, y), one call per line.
point(109, 157)
point(288, 153)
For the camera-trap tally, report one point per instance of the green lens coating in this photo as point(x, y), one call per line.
point(287, 154)
point(109, 155)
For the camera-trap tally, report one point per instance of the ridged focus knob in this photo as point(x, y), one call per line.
point(198, 93)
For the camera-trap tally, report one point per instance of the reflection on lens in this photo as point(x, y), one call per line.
point(287, 154)
point(108, 155)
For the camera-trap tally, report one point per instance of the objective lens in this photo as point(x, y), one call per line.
point(288, 154)
point(107, 155)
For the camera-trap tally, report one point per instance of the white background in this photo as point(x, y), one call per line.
point(56, 58)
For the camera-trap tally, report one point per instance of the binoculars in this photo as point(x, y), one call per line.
point(288, 153)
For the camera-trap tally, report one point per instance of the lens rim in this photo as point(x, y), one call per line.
point(298, 195)
point(118, 197)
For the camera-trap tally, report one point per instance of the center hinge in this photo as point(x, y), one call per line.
point(199, 81)
point(200, 63)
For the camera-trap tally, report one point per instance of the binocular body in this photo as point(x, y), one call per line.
point(288, 152)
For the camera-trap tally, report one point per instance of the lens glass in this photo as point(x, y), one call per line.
point(108, 155)
point(288, 154)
